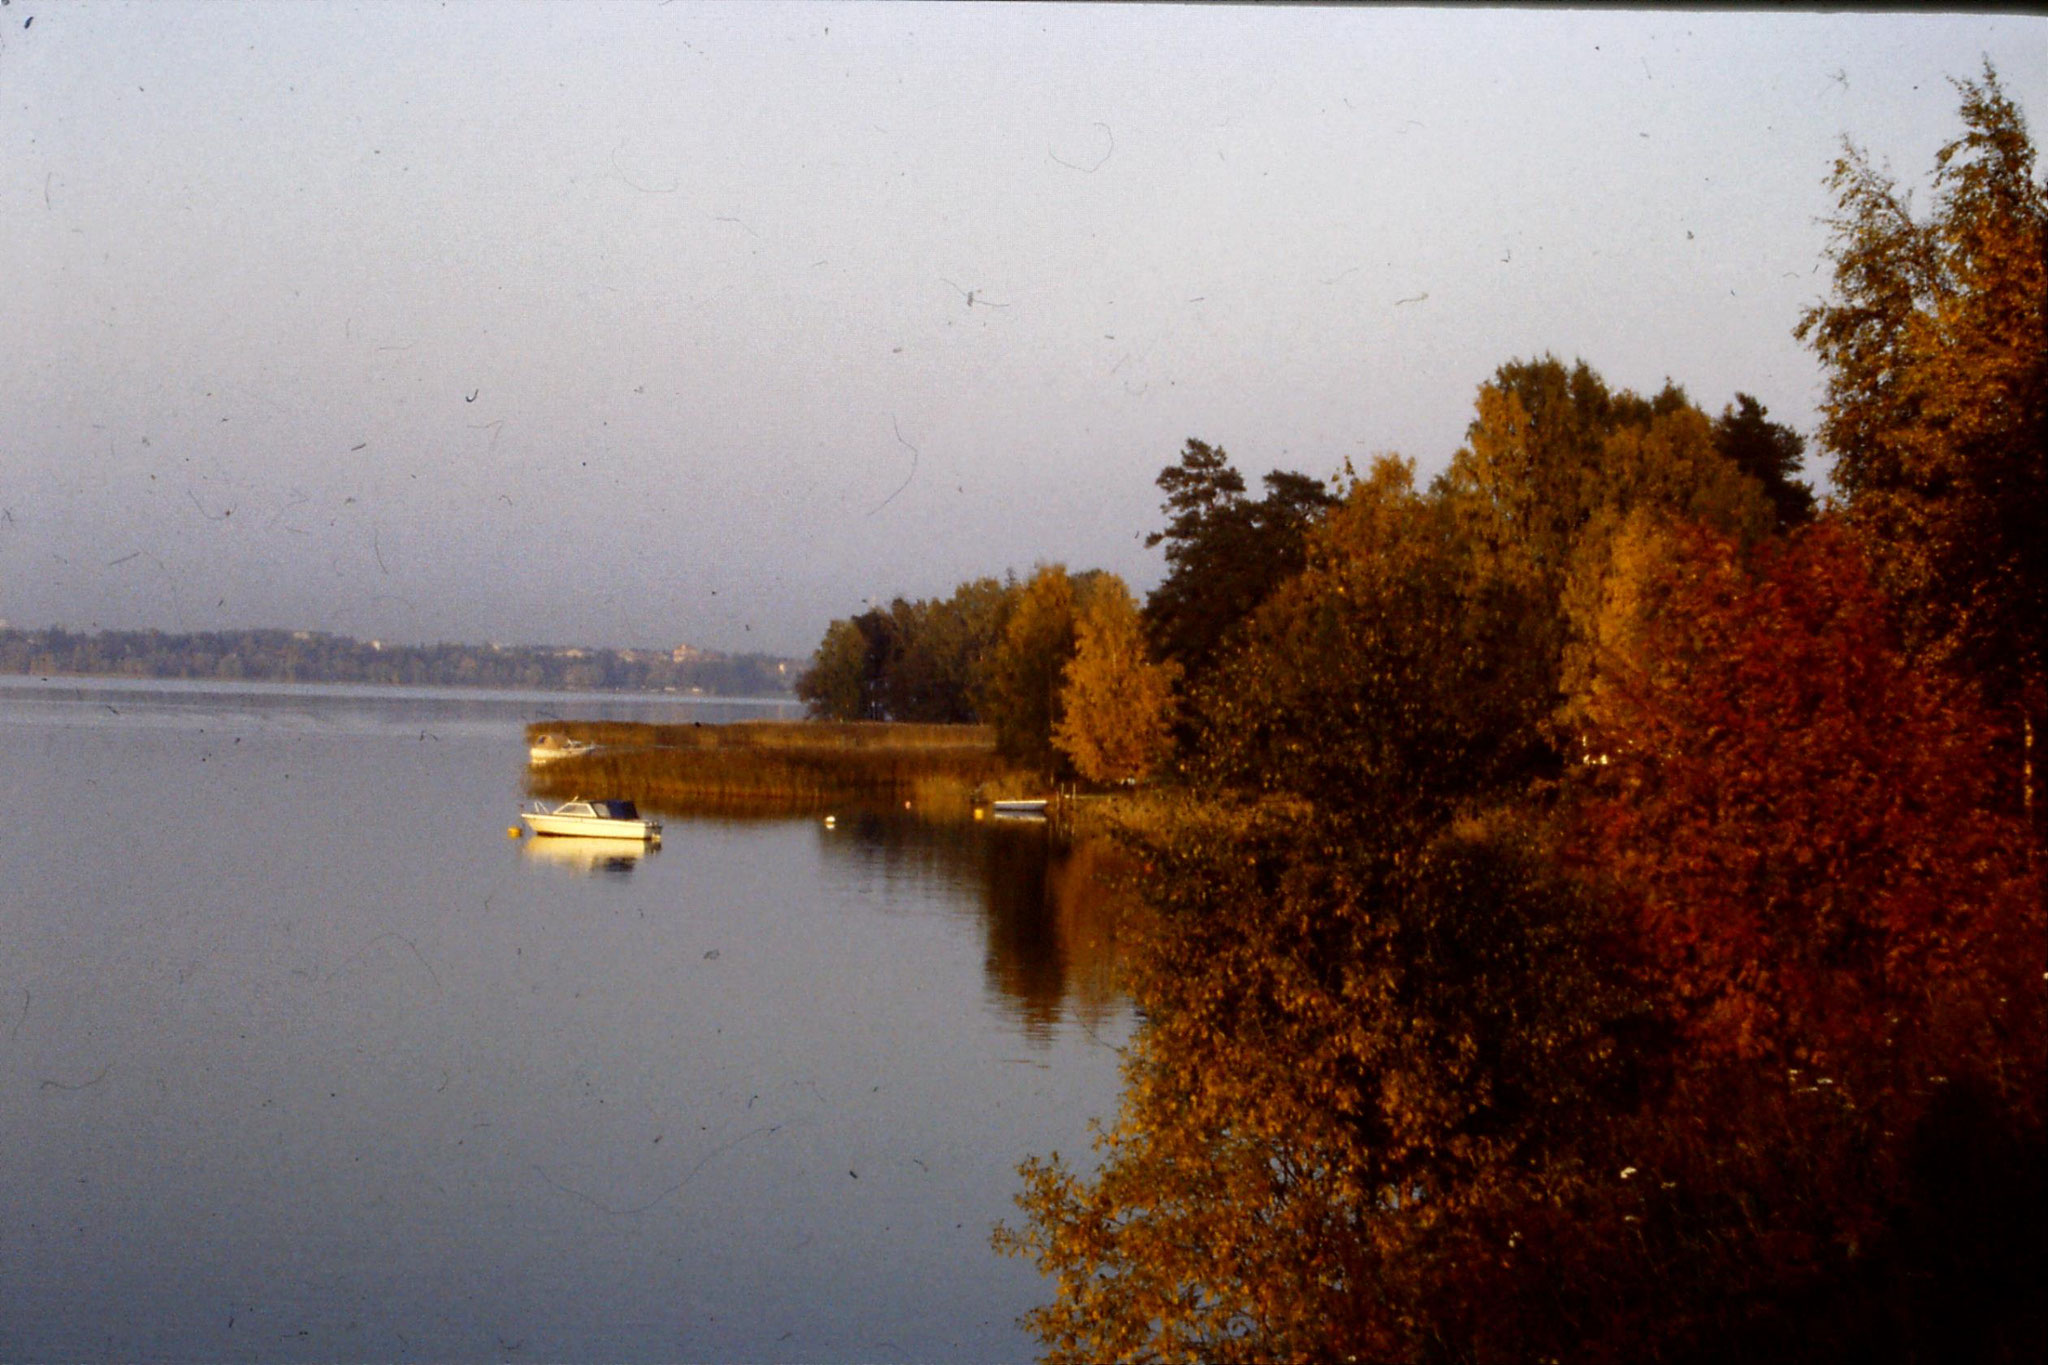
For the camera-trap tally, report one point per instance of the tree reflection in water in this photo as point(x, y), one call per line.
point(1048, 906)
point(1052, 926)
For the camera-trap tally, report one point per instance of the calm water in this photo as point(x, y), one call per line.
point(302, 1058)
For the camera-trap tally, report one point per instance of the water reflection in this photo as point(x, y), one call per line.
point(1048, 904)
point(1047, 901)
point(587, 857)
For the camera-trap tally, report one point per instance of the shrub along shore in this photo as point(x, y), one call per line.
point(781, 766)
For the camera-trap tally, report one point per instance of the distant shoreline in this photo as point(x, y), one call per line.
point(316, 657)
point(117, 683)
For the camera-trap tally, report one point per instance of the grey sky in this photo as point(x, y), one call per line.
point(637, 324)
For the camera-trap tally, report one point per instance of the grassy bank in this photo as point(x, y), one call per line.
point(771, 766)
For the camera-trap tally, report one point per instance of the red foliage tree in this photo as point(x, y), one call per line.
point(1805, 823)
point(1832, 892)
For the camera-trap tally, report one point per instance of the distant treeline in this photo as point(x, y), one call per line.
point(315, 656)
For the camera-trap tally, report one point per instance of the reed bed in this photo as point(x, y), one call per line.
point(806, 736)
point(762, 767)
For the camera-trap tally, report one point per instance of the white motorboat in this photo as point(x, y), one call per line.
point(590, 819)
point(548, 748)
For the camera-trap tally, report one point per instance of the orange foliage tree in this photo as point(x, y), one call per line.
point(1020, 683)
point(1936, 345)
point(1366, 1080)
point(1116, 710)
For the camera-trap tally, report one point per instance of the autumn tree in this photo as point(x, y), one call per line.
point(1391, 673)
point(1760, 1079)
point(913, 661)
point(1377, 1023)
point(1529, 474)
point(1225, 553)
point(845, 672)
point(1020, 688)
point(1805, 816)
point(1935, 342)
point(1117, 703)
point(1845, 934)
point(1365, 1063)
point(936, 650)
point(1769, 452)
point(1556, 464)
point(1603, 932)
point(1608, 604)
point(1553, 453)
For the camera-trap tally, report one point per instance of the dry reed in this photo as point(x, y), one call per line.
point(759, 767)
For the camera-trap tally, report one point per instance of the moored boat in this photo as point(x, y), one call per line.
point(1019, 810)
point(590, 819)
point(548, 748)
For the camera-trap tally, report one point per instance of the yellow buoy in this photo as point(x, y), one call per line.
point(511, 831)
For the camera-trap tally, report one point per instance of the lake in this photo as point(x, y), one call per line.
point(305, 1059)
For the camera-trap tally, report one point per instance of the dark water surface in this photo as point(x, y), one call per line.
point(302, 1058)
